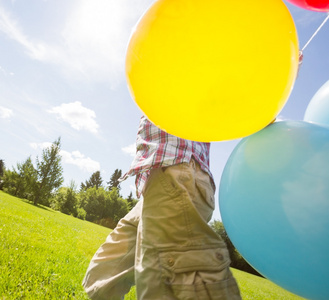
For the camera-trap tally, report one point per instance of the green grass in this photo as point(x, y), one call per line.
point(252, 288)
point(256, 288)
point(44, 254)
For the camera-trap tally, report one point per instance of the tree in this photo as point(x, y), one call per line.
point(49, 170)
point(118, 206)
point(95, 180)
point(114, 209)
point(102, 206)
point(93, 201)
point(66, 200)
point(28, 177)
point(2, 167)
point(114, 180)
point(237, 261)
point(10, 182)
point(20, 182)
point(69, 207)
point(220, 230)
point(2, 172)
point(131, 201)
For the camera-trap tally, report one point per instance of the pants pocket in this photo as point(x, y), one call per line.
point(198, 274)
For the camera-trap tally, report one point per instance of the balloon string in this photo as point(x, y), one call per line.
point(325, 20)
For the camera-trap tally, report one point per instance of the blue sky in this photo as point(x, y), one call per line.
point(62, 74)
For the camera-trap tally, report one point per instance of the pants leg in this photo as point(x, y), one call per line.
point(111, 271)
point(178, 255)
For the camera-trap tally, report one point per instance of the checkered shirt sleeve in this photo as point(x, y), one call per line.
point(155, 148)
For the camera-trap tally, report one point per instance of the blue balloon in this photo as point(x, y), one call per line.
point(317, 110)
point(274, 202)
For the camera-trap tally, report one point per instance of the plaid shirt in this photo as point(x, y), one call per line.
point(156, 148)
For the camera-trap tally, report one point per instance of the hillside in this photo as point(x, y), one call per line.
point(44, 255)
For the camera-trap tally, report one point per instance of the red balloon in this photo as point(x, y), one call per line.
point(316, 5)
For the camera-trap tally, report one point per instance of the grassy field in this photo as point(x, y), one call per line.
point(44, 255)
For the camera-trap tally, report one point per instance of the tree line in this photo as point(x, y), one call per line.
point(237, 260)
point(41, 183)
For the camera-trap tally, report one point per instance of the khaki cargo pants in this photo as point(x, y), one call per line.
point(164, 245)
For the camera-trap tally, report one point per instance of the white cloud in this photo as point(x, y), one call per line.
point(96, 35)
point(11, 28)
point(78, 159)
point(4, 72)
point(281, 118)
point(79, 117)
point(5, 113)
point(92, 41)
point(44, 145)
point(131, 149)
point(74, 158)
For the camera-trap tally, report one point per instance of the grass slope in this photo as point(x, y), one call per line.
point(251, 287)
point(256, 288)
point(44, 255)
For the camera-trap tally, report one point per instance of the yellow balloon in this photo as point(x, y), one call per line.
point(212, 70)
